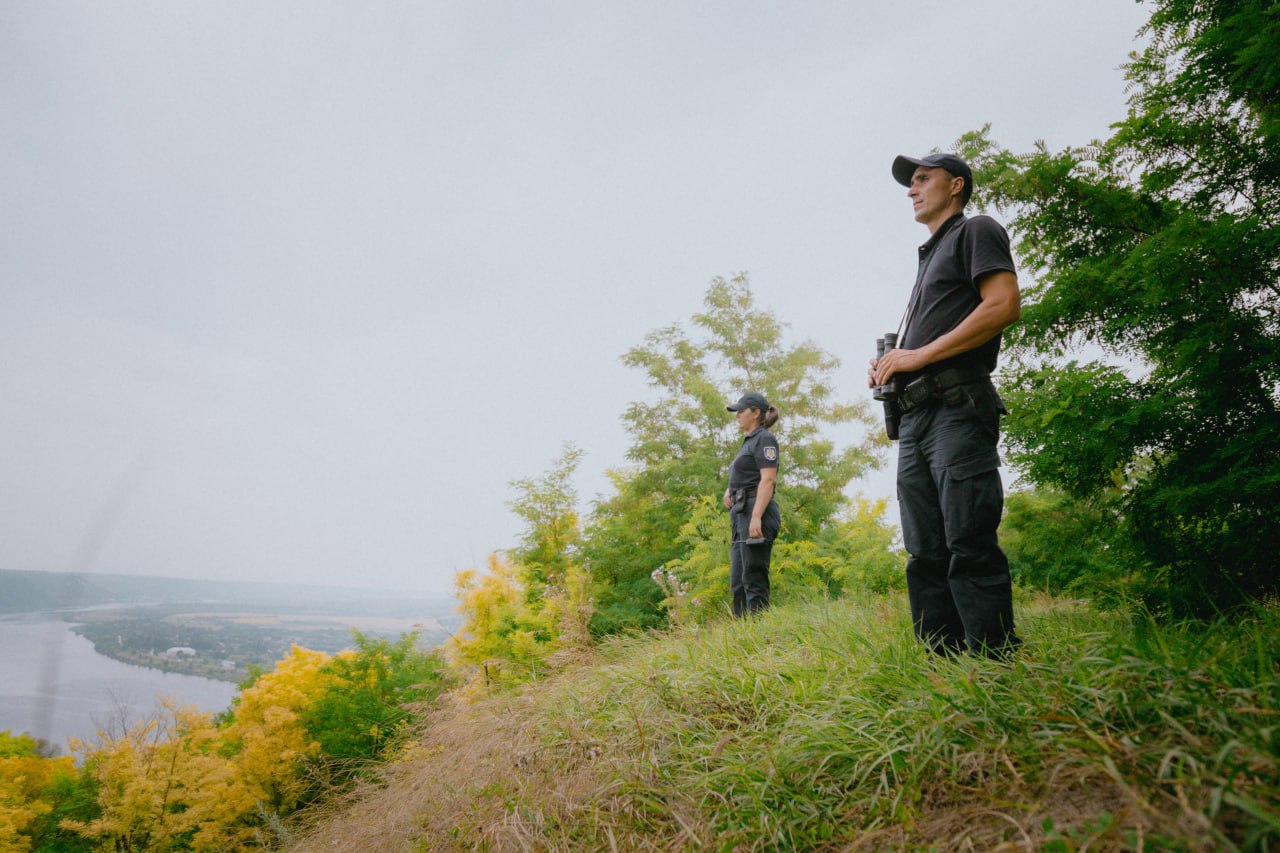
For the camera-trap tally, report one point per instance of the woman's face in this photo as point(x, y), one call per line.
point(748, 419)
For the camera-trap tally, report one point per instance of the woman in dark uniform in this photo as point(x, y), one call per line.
point(753, 513)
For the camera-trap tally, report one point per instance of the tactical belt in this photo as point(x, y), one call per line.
point(930, 389)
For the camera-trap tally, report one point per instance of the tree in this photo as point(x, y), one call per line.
point(37, 792)
point(553, 532)
point(490, 637)
point(364, 702)
point(1232, 45)
point(162, 785)
point(1158, 249)
point(266, 738)
point(29, 786)
point(683, 441)
point(1062, 544)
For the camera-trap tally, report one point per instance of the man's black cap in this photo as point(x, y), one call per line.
point(904, 167)
point(750, 400)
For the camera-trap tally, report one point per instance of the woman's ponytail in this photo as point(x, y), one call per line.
point(769, 417)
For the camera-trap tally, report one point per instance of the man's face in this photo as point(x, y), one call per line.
point(931, 192)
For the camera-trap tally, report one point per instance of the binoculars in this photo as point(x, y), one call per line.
point(883, 345)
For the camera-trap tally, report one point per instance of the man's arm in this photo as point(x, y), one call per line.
point(1000, 307)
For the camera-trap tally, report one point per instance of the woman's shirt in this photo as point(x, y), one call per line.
point(759, 450)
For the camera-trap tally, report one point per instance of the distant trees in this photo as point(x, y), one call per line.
point(664, 509)
point(1158, 248)
point(683, 441)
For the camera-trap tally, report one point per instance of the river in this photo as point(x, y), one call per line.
point(53, 685)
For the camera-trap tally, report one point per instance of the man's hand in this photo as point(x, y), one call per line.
point(728, 500)
point(896, 361)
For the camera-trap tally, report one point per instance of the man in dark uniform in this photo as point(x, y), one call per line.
point(949, 488)
point(754, 517)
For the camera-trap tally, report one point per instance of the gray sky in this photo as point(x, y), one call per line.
point(290, 291)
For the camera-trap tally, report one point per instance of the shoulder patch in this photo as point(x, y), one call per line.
point(771, 453)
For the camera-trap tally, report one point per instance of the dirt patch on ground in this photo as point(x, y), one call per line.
point(478, 776)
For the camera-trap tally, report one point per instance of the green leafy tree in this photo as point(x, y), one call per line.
point(1062, 544)
point(72, 797)
point(534, 601)
point(365, 702)
point(549, 546)
point(1232, 46)
point(491, 640)
point(866, 550)
point(683, 441)
point(1158, 248)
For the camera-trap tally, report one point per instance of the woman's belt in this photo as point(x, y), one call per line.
point(740, 498)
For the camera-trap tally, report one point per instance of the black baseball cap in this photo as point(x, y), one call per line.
point(904, 167)
point(750, 400)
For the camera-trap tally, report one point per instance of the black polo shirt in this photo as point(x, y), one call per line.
point(759, 450)
point(961, 252)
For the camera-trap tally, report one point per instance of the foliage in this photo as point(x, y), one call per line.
point(696, 587)
point(163, 785)
point(864, 548)
point(29, 787)
point(553, 531)
point(185, 780)
point(535, 599)
point(364, 702)
point(1232, 45)
point(682, 444)
point(1158, 248)
point(1061, 544)
point(266, 736)
point(856, 552)
point(72, 797)
point(182, 780)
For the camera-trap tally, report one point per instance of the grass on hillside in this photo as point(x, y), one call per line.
point(826, 726)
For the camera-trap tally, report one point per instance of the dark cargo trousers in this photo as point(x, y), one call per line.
point(749, 564)
point(950, 495)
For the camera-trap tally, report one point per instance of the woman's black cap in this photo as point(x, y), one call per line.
point(750, 400)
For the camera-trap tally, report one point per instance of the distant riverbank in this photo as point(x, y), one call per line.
point(55, 686)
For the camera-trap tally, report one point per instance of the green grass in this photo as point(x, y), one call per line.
point(827, 725)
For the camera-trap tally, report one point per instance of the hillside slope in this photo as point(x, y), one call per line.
point(825, 726)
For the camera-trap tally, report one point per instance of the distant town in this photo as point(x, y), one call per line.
point(217, 629)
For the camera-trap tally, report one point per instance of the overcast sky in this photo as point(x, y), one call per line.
point(291, 291)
